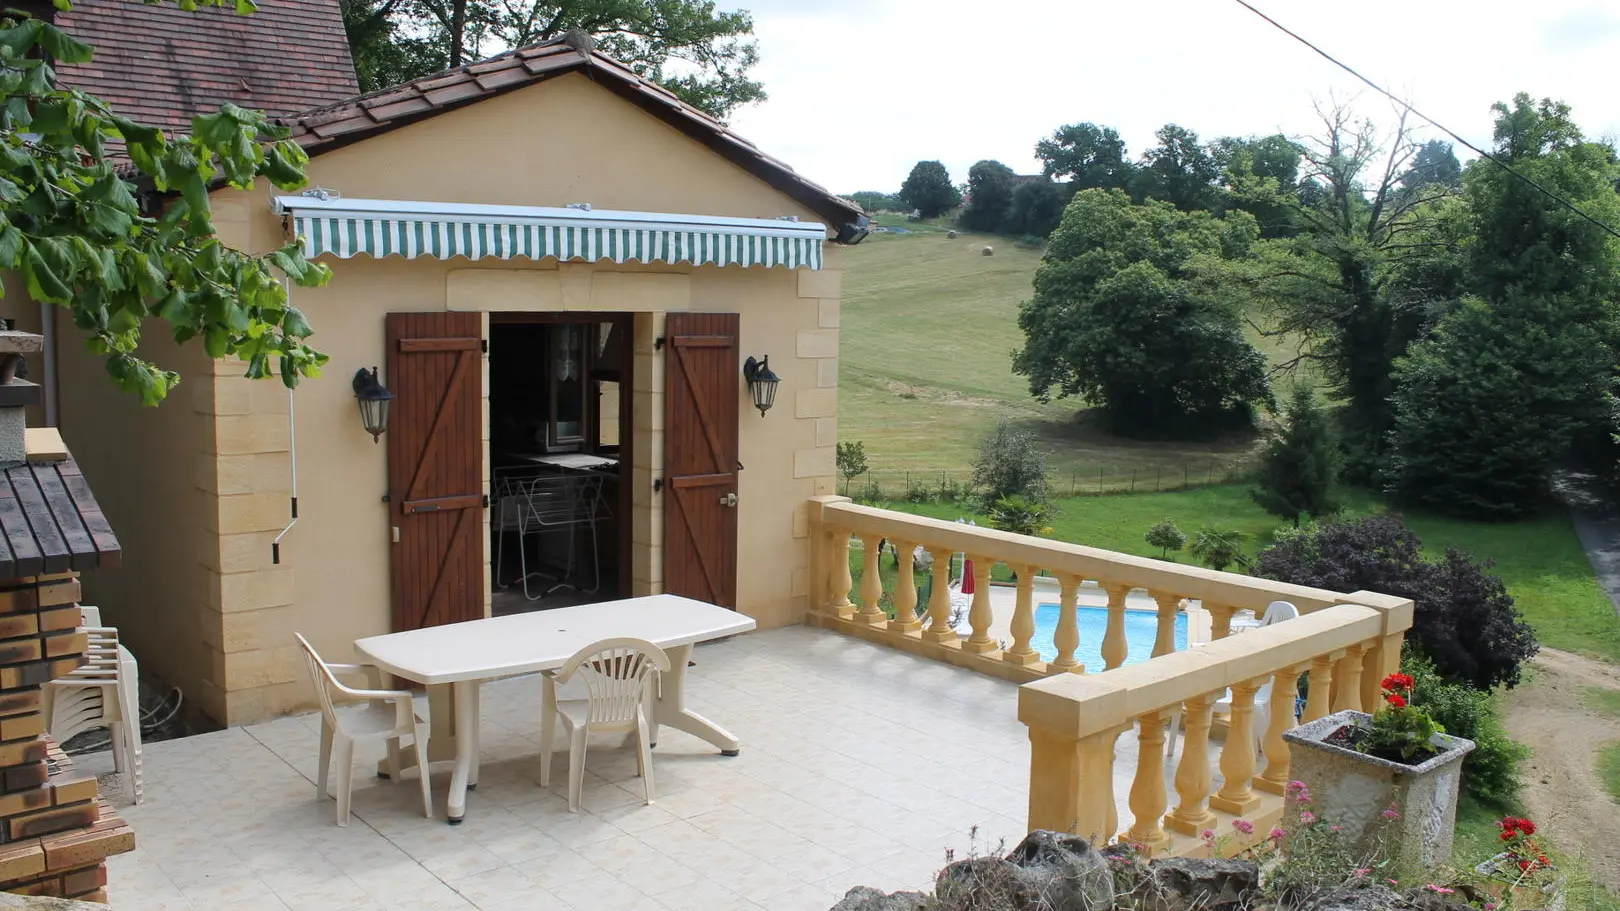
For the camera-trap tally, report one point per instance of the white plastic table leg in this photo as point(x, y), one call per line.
point(671, 707)
point(466, 701)
point(441, 746)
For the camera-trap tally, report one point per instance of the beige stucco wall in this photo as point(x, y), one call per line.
point(200, 588)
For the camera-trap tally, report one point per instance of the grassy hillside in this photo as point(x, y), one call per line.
point(929, 327)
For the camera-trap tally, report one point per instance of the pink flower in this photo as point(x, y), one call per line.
point(1362, 871)
point(1276, 834)
point(1393, 882)
point(1307, 817)
point(1392, 813)
point(1439, 890)
point(1490, 906)
point(1244, 826)
point(1209, 835)
point(1336, 828)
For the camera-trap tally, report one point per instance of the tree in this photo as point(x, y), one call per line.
point(1435, 164)
point(1496, 394)
point(1113, 319)
point(1179, 171)
point(1298, 462)
point(851, 458)
point(1166, 537)
point(1336, 284)
point(990, 196)
point(1037, 207)
point(702, 55)
point(1011, 463)
point(1465, 621)
point(1218, 548)
point(874, 201)
point(1261, 176)
point(1089, 157)
point(72, 225)
point(929, 190)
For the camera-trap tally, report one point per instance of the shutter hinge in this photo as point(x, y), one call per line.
point(486, 501)
point(658, 343)
point(483, 345)
point(658, 485)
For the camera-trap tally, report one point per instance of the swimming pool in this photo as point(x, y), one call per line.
point(1141, 627)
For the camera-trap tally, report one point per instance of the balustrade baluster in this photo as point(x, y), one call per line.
point(1115, 648)
point(1317, 698)
point(1220, 619)
point(1193, 778)
point(1098, 817)
point(1023, 620)
point(1067, 635)
point(872, 581)
point(1148, 796)
point(842, 579)
point(981, 614)
point(1372, 678)
point(905, 591)
point(1347, 692)
point(939, 599)
point(1169, 605)
point(1237, 755)
point(1284, 690)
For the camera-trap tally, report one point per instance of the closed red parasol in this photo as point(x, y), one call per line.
point(967, 576)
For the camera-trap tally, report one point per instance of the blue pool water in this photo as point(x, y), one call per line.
point(1140, 629)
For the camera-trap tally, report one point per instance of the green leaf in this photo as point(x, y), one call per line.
point(294, 325)
point(19, 39)
point(62, 46)
point(246, 7)
point(43, 282)
point(216, 341)
point(150, 162)
point(51, 117)
point(135, 132)
point(10, 245)
point(64, 6)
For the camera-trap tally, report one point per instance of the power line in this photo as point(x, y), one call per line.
point(1430, 120)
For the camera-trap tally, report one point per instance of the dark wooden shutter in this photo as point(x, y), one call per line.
point(435, 467)
point(702, 379)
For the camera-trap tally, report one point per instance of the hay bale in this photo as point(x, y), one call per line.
point(951, 234)
point(988, 251)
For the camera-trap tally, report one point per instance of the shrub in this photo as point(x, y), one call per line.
point(1218, 548)
point(1465, 622)
point(951, 490)
point(870, 493)
point(1021, 515)
point(1010, 464)
point(1491, 771)
point(1166, 537)
point(918, 491)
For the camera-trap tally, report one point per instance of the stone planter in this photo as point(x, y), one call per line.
point(1353, 790)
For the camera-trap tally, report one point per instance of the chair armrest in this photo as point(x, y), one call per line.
point(373, 674)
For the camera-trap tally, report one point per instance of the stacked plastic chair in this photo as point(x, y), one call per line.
point(103, 693)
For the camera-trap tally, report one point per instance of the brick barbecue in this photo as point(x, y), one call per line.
point(55, 830)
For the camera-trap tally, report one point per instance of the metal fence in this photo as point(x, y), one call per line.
point(1080, 480)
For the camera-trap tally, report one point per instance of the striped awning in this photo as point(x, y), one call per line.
point(375, 227)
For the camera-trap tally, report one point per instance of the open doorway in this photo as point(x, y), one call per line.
point(560, 458)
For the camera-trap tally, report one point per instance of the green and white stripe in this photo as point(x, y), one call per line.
point(348, 236)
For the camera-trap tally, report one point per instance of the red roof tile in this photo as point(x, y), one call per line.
point(160, 65)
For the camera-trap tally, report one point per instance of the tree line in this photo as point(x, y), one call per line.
point(1462, 320)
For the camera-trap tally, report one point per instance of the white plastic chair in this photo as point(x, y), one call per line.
point(386, 715)
point(1276, 612)
point(618, 676)
point(103, 692)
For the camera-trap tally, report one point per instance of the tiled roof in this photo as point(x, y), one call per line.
point(160, 65)
point(50, 522)
point(353, 119)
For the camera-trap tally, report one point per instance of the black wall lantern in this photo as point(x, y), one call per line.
point(762, 383)
point(374, 399)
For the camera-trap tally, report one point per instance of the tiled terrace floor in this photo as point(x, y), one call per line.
point(860, 765)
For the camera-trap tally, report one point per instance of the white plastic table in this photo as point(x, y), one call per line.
point(460, 656)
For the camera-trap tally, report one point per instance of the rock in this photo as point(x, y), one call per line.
point(866, 898)
point(988, 251)
point(1048, 871)
point(1206, 884)
point(1370, 898)
point(951, 234)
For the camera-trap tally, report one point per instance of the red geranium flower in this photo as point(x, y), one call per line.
point(1395, 701)
point(1398, 682)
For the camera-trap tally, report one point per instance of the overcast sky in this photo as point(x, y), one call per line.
point(863, 89)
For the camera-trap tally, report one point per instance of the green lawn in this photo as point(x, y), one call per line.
point(1541, 559)
point(928, 330)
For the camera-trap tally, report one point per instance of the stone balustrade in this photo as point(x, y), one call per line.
point(1075, 722)
point(928, 629)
